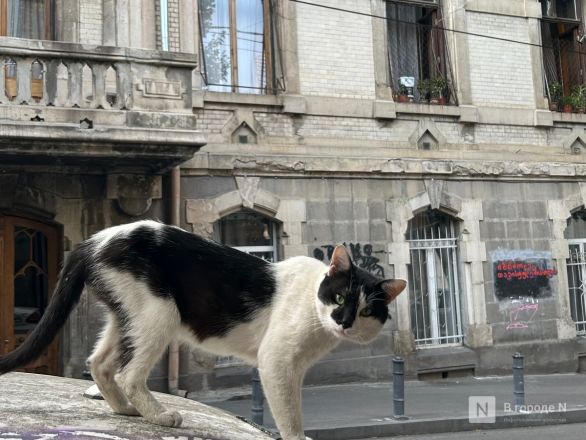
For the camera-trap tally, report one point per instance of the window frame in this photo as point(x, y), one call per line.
point(428, 246)
point(435, 41)
point(268, 52)
point(49, 19)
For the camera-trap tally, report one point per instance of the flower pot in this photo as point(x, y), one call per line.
point(442, 100)
point(567, 108)
point(553, 106)
point(403, 98)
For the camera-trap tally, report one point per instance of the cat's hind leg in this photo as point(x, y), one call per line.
point(152, 329)
point(104, 363)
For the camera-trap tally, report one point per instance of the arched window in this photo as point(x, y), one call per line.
point(575, 233)
point(29, 260)
point(249, 232)
point(433, 279)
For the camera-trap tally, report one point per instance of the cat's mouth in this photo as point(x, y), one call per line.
point(343, 333)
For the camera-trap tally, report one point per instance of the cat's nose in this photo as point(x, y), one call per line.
point(346, 324)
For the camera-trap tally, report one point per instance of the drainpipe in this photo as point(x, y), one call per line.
point(173, 360)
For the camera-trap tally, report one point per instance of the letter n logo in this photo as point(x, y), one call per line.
point(481, 409)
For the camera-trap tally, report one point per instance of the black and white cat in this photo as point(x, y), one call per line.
point(160, 282)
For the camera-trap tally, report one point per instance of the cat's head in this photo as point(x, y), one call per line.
point(353, 303)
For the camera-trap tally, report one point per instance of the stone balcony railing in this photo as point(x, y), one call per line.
point(89, 100)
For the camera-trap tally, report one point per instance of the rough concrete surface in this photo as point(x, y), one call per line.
point(35, 406)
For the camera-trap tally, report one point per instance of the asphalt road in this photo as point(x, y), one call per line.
point(574, 431)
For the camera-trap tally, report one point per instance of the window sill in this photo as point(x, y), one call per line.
point(569, 117)
point(201, 97)
point(426, 109)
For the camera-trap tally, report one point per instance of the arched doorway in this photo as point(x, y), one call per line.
point(29, 263)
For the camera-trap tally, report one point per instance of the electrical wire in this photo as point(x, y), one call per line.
point(456, 31)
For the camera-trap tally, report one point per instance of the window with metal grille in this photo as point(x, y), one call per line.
point(417, 52)
point(433, 279)
point(576, 266)
point(251, 233)
point(238, 42)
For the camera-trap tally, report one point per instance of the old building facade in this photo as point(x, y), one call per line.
point(420, 133)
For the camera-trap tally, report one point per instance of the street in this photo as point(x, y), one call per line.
point(575, 431)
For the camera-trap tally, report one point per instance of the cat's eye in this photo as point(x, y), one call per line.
point(367, 311)
point(340, 299)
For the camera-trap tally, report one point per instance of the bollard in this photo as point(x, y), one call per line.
point(518, 381)
point(399, 388)
point(257, 408)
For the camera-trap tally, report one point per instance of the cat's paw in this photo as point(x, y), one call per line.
point(127, 410)
point(168, 418)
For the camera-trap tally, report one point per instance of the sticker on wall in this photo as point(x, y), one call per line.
point(522, 273)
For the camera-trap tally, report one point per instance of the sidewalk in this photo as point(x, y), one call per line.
point(354, 411)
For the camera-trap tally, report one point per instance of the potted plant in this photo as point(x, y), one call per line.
point(579, 98)
point(555, 95)
point(424, 87)
point(403, 93)
point(566, 104)
point(439, 89)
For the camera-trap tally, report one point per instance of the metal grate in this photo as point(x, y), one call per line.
point(576, 265)
point(433, 280)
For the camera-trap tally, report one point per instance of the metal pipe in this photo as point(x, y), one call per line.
point(518, 381)
point(257, 407)
point(399, 388)
point(174, 216)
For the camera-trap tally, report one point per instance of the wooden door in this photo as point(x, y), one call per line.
point(29, 261)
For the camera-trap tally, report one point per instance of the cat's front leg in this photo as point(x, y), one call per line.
point(281, 381)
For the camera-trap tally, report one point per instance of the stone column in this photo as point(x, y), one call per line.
point(477, 332)
point(398, 214)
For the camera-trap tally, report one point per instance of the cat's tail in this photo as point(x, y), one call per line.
point(66, 295)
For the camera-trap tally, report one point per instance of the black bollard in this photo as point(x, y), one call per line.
point(399, 388)
point(257, 408)
point(518, 381)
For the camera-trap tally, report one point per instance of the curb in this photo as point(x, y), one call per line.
point(438, 426)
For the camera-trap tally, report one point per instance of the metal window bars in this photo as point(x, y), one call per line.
point(576, 266)
point(433, 280)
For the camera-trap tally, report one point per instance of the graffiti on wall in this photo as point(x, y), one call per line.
point(521, 279)
point(521, 313)
point(521, 274)
point(361, 255)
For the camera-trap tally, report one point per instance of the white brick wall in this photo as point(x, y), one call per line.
point(335, 50)
point(90, 22)
point(500, 71)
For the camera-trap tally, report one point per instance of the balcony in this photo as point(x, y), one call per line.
point(93, 107)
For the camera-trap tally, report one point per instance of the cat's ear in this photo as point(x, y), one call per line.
point(392, 288)
point(340, 261)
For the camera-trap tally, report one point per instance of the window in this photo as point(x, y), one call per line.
point(251, 233)
point(563, 55)
point(31, 19)
point(433, 280)
point(417, 52)
point(28, 266)
point(576, 266)
point(236, 45)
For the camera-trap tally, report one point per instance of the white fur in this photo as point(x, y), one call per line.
point(284, 339)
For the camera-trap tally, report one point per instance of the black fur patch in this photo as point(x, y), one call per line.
point(349, 284)
point(215, 287)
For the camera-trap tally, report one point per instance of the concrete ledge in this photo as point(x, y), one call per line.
point(33, 404)
point(436, 426)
